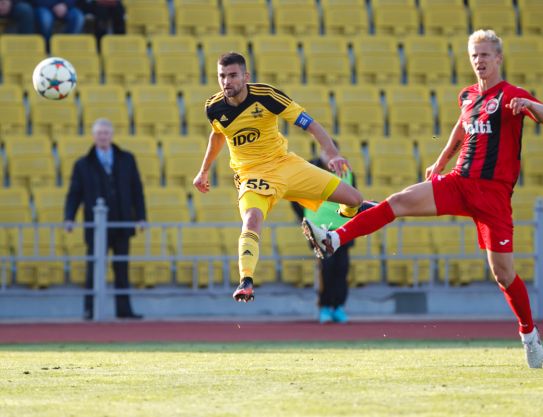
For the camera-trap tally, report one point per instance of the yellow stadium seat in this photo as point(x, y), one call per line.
point(410, 111)
point(155, 110)
point(29, 146)
point(73, 44)
point(194, 99)
point(445, 19)
point(365, 271)
point(139, 145)
point(524, 244)
point(327, 60)
point(117, 113)
point(395, 19)
point(173, 145)
point(99, 94)
point(346, 18)
point(265, 269)
point(377, 60)
point(276, 59)
point(33, 171)
point(532, 168)
point(198, 241)
point(394, 170)
point(429, 150)
point(12, 111)
point(215, 45)
point(18, 69)
point(523, 201)
point(149, 168)
point(38, 242)
point(54, 119)
point(282, 212)
point(246, 17)
point(316, 100)
point(88, 68)
point(10, 95)
point(384, 146)
point(357, 163)
point(221, 166)
point(359, 110)
point(176, 60)
point(14, 44)
point(167, 204)
point(462, 65)
point(197, 18)
point(147, 19)
point(428, 60)
point(377, 192)
point(69, 149)
point(524, 68)
point(300, 272)
point(448, 108)
point(147, 273)
point(301, 144)
point(531, 16)
point(300, 18)
point(409, 240)
point(348, 143)
point(218, 205)
point(455, 240)
point(501, 19)
point(14, 205)
point(125, 59)
point(49, 204)
point(180, 170)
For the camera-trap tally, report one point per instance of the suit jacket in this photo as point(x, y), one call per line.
point(89, 182)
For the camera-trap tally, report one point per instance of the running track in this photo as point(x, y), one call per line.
point(243, 331)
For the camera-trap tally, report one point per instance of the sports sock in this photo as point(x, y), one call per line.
point(366, 222)
point(516, 296)
point(248, 251)
point(348, 211)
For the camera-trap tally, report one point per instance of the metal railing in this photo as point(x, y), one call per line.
point(100, 257)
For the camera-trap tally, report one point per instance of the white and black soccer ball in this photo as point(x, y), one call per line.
point(54, 78)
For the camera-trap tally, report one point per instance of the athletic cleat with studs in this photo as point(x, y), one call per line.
point(533, 349)
point(244, 292)
point(319, 239)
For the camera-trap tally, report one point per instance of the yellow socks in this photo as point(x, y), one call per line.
point(348, 211)
point(248, 253)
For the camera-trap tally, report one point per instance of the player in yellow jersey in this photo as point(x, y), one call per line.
point(245, 116)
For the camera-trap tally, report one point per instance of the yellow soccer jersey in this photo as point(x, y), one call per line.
point(251, 129)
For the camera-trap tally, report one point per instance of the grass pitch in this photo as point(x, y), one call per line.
point(386, 378)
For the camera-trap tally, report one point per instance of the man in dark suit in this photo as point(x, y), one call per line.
point(110, 173)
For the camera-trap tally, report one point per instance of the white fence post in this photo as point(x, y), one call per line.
point(100, 259)
point(538, 244)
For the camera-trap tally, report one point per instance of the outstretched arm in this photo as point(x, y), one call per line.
point(519, 104)
point(453, 145)
point(214, 146)
point(337, 163)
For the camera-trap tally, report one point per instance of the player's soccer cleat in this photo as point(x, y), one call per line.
point(325, 315)
point(319, 238)
point(366, 204)
point(244, 292)
point(339, 315)
point(533, 348)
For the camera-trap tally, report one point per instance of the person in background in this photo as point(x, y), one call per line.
point(19, 16)
point(106, 13)
point(48, 11)
point(110, 173)
point(334, 287)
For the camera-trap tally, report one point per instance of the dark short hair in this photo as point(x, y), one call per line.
point(231, 58)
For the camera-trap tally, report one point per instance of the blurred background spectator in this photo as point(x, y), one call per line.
point(17, 16)
point(48, 11)
point(108, 16)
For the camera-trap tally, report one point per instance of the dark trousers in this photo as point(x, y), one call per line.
point(105, 15)
point(120, 245)
point(333, 284)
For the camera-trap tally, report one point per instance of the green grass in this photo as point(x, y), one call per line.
point(386, 378)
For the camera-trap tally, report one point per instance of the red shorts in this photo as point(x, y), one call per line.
point(487, 202)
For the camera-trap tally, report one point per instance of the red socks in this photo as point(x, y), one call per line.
point(517, 298)
point(366, 222)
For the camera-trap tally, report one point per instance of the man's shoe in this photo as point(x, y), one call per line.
point(339, 315)
point(319, 238)
point(533, 348)
point(244, 292)
point(130, 316)
point(325, 315)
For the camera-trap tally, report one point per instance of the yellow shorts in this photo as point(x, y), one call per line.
point(290, 177)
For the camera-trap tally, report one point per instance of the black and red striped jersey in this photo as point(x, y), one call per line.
point(493, 135)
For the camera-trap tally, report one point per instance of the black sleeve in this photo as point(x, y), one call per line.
point(75, 192)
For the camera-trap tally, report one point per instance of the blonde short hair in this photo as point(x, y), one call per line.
point(486, 35)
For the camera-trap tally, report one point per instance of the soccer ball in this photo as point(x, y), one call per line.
point(54, 78)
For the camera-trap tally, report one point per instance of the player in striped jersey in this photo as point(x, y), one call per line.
point(488, 134)
point(245, 116)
